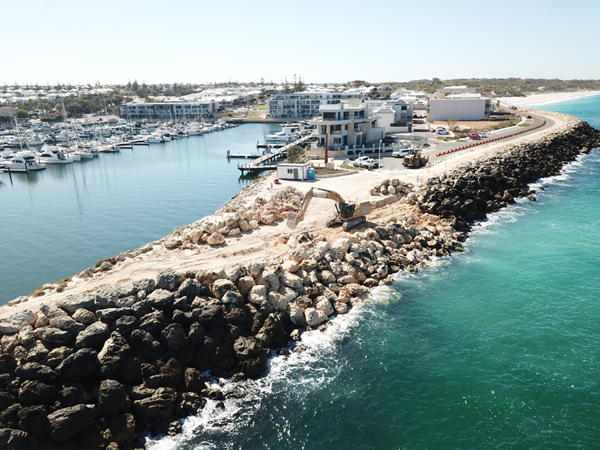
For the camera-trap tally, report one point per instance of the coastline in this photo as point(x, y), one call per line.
point(547, 98)
point(405, 230)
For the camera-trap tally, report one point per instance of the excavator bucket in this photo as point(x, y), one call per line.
point(292, 220)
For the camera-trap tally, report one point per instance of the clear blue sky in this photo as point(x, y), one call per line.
point(328, 40)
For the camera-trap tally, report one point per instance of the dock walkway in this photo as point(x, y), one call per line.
point(257, 164)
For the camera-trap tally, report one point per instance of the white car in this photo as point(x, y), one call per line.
point(482, 135)
point(400, 153)
point(441, 130)
point(358, 161)
point(369, 163)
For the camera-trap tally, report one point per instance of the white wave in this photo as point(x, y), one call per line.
point(304, 368)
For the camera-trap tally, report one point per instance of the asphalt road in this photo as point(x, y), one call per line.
point(390, 163)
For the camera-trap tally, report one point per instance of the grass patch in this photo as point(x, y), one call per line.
point(524, 124)
point(265, 106)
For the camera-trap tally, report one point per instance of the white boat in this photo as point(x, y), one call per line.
point(155, 138)
point(23, 162)
point(284, 136)
point(6, 157)
point(53, 155)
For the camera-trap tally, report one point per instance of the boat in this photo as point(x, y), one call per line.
point(53, 155)
point(288, 134)
point(6, 157)
point(23, 162)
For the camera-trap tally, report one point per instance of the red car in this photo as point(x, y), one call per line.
point(474, 136)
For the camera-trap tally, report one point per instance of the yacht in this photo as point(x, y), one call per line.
point(23, 162)
point(284, 136)
point(6, 157)
point(54, 155)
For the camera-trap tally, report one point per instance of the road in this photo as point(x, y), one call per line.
point(390, 163)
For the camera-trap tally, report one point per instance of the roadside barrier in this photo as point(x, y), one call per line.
point(487, 141)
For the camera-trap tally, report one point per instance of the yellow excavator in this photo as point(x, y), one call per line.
point(415, 159)
point(348, 214)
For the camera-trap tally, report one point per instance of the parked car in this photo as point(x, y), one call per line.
point(400, 153)
point(529, 117)
point(388, 140)
point(358, 161)
point(482, 134)
point(441, 130)
point(474, 136)
point(369, 164)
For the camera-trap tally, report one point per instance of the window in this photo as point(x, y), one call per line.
point(290, 171)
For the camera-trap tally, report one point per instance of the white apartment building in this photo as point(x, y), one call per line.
point(305, 105)
point(347, 125)
point(395, 116)
point(463, 106)
point(167, 111)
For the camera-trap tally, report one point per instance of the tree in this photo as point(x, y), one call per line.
point(22, 114)
point(294, 153)
point(135, 86)
point(452, 122)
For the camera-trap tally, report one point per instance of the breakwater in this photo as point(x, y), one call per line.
point(332, 274)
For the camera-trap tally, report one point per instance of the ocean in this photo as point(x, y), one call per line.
point(496, 348)
point(59, 221)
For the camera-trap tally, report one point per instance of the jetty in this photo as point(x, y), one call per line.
point(243, 155)
point(262, 163)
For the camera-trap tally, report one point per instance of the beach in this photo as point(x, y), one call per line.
point(546, 98)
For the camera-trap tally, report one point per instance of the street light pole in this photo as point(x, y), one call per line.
point(380, 140)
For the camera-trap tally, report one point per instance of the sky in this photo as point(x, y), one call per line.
point(185, 41)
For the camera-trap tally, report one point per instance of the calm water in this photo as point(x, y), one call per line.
point(498, 348)
point(59, 221)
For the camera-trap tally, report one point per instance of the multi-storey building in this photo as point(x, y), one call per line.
point(167, 111)
point(305, 105)
point(347, 125)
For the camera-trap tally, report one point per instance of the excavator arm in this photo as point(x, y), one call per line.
point(294, 219)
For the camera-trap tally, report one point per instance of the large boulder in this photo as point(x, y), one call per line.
point(193, 380)
point(78, 366)
point(143, 344)
point(73, 302)
point(246, 348)
point(112, 355)
point(220, 287)
point(153, 322)
point(160, 297)
point(11, 439)
point(168, 279)
point(161, 403)
point(37, 393)
point(14, 323)
point(66, 423)
point(93, 336)
point(258, 295)
point(272, 333)
point(173, 337)
point(314, 317)
point(36, 371)
point(32, 419)
point(122, 429)
point(112, 399)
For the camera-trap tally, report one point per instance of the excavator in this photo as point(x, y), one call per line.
point(415, 159)
point(348, 214)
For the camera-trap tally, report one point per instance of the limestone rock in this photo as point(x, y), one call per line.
point(324, 305)
point(215, 238)
point(314, 317)
point(258, 295)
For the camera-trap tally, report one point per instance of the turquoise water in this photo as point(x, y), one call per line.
point(62, 220)
point(497, 348)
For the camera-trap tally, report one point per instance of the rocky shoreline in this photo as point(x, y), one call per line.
point(98, 369)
